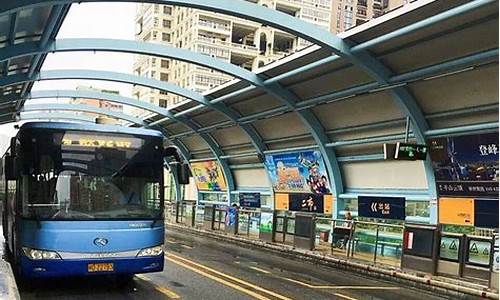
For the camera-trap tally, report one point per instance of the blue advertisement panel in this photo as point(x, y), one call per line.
point(306, 202)
point(382, 207)
point(299, 172)
point(249, 199)
point(486, 213)
point(231, 214)
point(466, 166)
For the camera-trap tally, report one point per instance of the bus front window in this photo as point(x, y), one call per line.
point(93, 183)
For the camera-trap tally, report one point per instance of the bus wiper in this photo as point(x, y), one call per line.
point(156, 218)
point(35, 216)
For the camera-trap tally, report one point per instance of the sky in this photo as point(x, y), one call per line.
point(88, 20)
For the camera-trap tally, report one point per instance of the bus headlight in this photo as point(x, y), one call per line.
point(35, 254)
point(153, 251)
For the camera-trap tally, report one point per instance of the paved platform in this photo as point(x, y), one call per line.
point(8, 286)
point(448, 287)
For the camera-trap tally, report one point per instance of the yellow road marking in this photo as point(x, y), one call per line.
point(260, 270)
point(220, 280)
point(170, 294)
point(345, 297)
point(343, 287)
point(186, 246)
point(258, 288)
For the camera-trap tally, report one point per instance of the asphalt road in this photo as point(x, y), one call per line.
point(201, 268)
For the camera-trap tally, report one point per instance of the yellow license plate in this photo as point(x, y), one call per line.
point(92, 268)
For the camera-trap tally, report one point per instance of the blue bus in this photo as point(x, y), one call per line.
point(84, 200)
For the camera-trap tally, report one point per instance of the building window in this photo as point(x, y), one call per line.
point(165, 37)
point(167, 10)
point(165, 63)
point(167, 23)
point(164, 76)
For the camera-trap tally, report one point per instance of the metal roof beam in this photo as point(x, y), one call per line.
point(252, 134)
point(11, 39)
point(211, 142)
point(82, 108)
point(57, 13)
point(451, 13)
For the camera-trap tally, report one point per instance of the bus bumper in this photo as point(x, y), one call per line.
point(75, 267)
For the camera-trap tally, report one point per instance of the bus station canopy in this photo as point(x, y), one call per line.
point(428, 69)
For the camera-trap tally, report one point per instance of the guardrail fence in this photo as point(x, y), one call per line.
point(419, 247)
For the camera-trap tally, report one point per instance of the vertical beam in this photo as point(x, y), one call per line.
point(11, 40)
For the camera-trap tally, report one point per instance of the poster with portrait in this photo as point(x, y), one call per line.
point(298, 172)
point(466, 166)
point(208, 176)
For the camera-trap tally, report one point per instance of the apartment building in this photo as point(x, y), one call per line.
point(350, 13)
point(244, 43)
point(97, 103)
point(241, 42)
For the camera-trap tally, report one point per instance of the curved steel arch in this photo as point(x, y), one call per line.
point(212, 144)
point(253, 12)
point(83, 108)
point(252, 134)
point(54, 116)
point(309, 119)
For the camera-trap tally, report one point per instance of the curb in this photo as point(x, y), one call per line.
point(428, 283)
point(8, 286)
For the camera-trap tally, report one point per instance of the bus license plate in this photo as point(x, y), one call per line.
point(92, 268)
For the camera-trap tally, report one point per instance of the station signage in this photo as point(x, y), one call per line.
point(405, 151)
point(311, 203)
point(249, 200)
point(382, 207)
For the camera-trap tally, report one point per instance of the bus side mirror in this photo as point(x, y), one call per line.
point(183, 173)
point(10, 168)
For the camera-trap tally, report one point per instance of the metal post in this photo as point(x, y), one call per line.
point(350, 243)
point(407, 129)
point(248, 224)
point(376, 247)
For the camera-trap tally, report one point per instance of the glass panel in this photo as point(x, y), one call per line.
point(449, 248)
point(479, 253)
point(363, 243)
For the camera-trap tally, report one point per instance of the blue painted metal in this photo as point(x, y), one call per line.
point(453, 12)
point(82, 108)
point(57, 15)
point(212, 144)
point(289, 99)
point(308, 31)
point(252, 134)
point(55, 116)
point(476, 128)
point(10, 40)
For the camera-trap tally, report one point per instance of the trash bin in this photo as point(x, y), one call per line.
point(324, 234)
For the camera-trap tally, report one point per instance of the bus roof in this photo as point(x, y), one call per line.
point(91, 127)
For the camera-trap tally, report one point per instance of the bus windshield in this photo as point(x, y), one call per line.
point(72, 175)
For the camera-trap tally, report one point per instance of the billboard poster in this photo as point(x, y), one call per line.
point(298, 172)
point(466, 166)
point(208, 176)
point(249, 199)
point(382, 207)
point(306, 203)
point(266, 222)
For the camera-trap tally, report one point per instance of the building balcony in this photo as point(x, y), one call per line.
point(214, 26)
